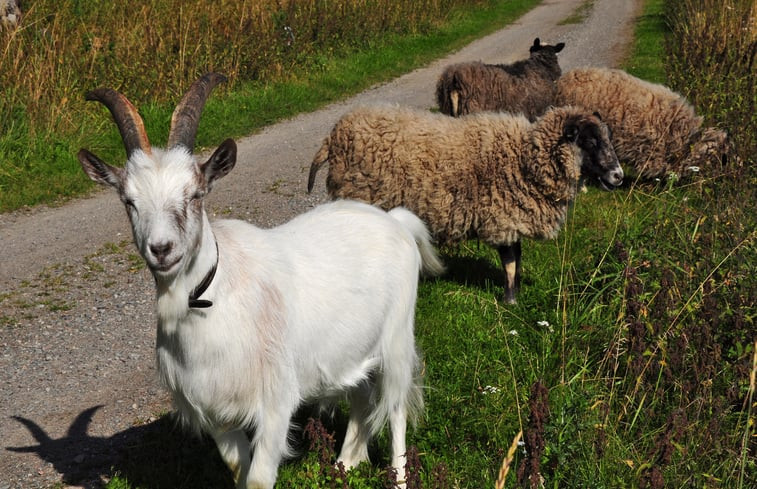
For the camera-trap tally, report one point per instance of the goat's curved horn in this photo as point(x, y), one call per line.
point(128, 120)
point(186, 116)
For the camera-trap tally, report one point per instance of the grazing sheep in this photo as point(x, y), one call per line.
point(526, 86)
point(655, 131)
point(494, 176)
point(10, 14)
point(252, 322)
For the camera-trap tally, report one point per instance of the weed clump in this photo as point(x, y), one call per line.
point(529, 471)
point(324, 473)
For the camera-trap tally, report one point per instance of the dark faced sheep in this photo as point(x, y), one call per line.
point(10, 14)
point(655, 131)
point(526, 86)
point(494, 176)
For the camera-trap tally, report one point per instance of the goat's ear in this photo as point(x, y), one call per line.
point(99, 171)
point(220, 162)
point(570, 131)
point(536, 46)
point(559, 46)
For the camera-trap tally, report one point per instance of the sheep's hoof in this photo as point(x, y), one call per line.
point(509, 298)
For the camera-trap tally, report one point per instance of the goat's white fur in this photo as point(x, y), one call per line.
point(317, 308)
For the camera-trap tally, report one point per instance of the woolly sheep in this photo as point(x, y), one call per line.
point(10, 14)
point(526, 86)
point(655, 131)
point(494, 176)
point(252, 322)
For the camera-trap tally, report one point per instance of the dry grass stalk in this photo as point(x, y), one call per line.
point(505, 468)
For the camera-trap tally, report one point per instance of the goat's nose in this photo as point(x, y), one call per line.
point(161, 250)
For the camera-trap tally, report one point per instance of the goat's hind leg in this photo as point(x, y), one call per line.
point(355, 447)
point(234, 447)
point(398, 428)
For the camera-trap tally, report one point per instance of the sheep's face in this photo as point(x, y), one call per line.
point(711, 147)
point(547, 54)
point(598, 155)
point(163, 194)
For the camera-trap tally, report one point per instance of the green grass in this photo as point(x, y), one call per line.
point(579, 14)
point(648, 56)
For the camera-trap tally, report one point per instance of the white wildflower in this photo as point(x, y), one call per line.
point(545, 324)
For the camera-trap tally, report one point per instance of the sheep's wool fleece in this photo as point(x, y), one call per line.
point(490, 87)
point(494, 176)
point(654, 130)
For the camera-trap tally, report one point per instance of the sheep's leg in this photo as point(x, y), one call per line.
point(509, 255)
point(268, 448)
point(234, 447)
point(355, 448)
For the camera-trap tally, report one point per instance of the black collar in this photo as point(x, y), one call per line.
point(194, 300)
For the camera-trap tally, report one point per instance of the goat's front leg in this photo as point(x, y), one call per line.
point(509, 255)
point(234, 447)
point(269, 447)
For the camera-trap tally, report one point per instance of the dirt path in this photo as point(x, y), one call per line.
point(77, 379)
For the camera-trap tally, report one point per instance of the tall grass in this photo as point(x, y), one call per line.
point(153, 50)
point(713, 60)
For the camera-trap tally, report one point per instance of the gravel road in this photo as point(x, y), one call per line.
point(77, 327)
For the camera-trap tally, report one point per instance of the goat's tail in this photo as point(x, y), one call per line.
point(321, 157)
point(430, 262)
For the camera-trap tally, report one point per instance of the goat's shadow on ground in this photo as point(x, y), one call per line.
point(156, 455)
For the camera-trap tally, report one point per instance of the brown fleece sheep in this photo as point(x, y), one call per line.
point(10, 14)
point(655, 131)
point(494, 176)
point(525, 87)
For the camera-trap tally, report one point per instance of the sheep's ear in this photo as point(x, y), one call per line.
point(536, 46)
point(570, 132)
point(220, 162)
point(99, 171)
point(597, 115)
point(559, 46)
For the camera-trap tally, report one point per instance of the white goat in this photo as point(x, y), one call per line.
point(318, 308)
